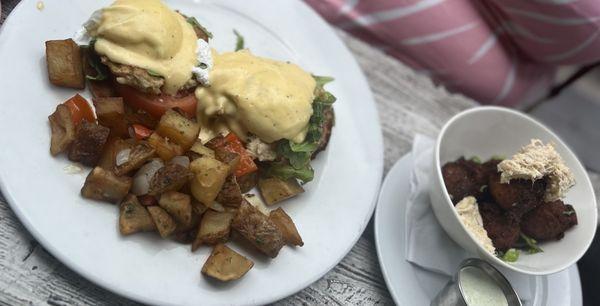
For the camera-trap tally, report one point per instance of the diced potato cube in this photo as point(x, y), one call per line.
point(111, 114)
point(261, 232)
point(102, 89)
point(230, 194)
point(109, 152)
point(63, 129)
point(275, 190)
point(286, 226)
point(171, 177)
point(89, 143)
point(214, 228)
point(178, 128)
point(139, 154)
point(209, 176)
point(230, 158)
point(200, 149)
point(163, 221)
point(165, 149)
point(178, 205)
point(133, 217)
point(64, 62)
point(225, 264)
point(104, 185)
point(247, 181)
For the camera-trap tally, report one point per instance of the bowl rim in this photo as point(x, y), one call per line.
point(448, 201)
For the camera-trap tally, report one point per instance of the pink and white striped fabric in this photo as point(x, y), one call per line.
point(495, 51)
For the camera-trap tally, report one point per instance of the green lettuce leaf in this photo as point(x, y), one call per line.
point(295, 157)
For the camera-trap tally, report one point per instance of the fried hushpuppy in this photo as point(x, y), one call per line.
point(549, 220)
point(518, 196)
point(464, 178)
point(503, 232)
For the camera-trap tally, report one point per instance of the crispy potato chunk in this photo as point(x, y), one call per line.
point(148, 200)
point(209, 177)
point(104, 185)
point(226, 264)
point(163, 221)
point(63, 129)
point(184, 237)
point(88, 144)
point(178, 128)
point(109, 152)
point(261, 232)
point(230, 194)
point(171, 177)
point(201, 150)
point(230, 158)
point(102, 89)
point(286, 226)
point(65, 64)
point(215, 227)
point(165, 149)
point(178, 205)
point(111, 114)
point(275, 190)
point(247, 181)
point(198, 208)
point(139, 154)
point(257, 202)
point(133, 217)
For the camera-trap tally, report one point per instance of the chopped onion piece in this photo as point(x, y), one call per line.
point(122, 157)
point(141, 179)
point(181, 160)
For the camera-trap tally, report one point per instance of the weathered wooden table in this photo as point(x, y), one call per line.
point(408, 104)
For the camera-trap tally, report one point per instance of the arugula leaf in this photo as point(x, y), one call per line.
point(568, 212)
point(325, 98)
point(94, 61)
point(194, 22)
point(531, 244)
point(239, 44)
point(322, 80)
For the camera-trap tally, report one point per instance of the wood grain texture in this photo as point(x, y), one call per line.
point(408, 104)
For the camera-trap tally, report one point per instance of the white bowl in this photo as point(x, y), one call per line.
point(489, 131)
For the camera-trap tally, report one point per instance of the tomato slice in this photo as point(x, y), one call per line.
point(233, 144)
point(157, 105)
point(80, 109)
point(141, 132)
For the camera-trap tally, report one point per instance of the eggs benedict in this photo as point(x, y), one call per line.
point(146, 45)
point(158, 59)
point(267, 98)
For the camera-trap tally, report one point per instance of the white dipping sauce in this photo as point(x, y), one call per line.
point(479, 288)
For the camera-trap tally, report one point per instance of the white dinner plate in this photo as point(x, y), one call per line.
point(410, 285)
point(83, 234)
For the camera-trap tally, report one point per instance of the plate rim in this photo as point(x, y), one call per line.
point(376, 166)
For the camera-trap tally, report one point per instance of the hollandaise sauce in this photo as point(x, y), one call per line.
point(149, 35)
point(268, 98)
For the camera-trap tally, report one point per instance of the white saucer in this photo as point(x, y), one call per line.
point(410, 285)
